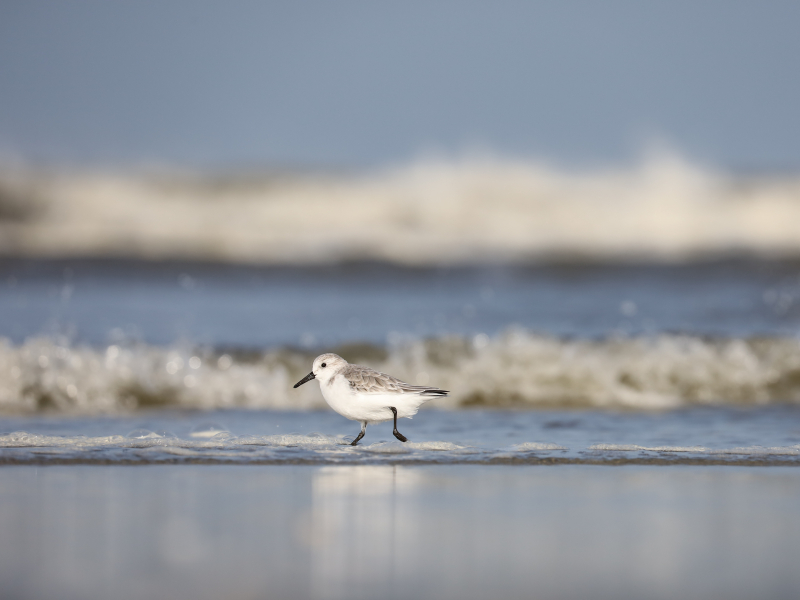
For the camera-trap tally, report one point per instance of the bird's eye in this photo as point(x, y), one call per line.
point(323, 365)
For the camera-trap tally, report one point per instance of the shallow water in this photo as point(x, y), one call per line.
point(366, 531)
point(765, 436)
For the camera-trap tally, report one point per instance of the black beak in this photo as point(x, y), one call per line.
point(308, 377)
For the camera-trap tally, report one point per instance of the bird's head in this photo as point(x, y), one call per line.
point(325, 367)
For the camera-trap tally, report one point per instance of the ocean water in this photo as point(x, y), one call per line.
point(133, 361)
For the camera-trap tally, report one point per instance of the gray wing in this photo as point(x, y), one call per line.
point(368, 381)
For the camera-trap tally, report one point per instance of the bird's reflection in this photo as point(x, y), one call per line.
point(359, 519)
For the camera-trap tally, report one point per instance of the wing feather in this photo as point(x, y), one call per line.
point(368, 381)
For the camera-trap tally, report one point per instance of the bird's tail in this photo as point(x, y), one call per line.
point(435, 392)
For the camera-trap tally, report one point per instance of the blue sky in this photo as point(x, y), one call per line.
point(359, 84)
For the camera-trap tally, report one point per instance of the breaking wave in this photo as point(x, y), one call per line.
point(516, 369)
point(425, 213)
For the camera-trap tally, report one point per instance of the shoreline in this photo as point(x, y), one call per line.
point(641, 462)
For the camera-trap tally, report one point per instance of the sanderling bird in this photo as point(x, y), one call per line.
point(363, 394)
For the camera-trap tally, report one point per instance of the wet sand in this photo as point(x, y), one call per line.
point(369, 531)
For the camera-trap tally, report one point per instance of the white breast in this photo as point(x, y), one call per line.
point(340, 397)
point(373, 408)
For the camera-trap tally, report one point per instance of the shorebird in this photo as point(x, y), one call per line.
point(363, 394)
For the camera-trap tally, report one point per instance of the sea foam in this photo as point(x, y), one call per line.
point(515, 369)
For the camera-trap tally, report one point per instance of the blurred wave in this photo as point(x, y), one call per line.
point(429, 212)
point(517, 369)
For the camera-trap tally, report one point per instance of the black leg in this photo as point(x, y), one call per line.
point(360, 435)
point(396, 433)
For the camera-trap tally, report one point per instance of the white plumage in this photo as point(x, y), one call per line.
point(363, 394)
